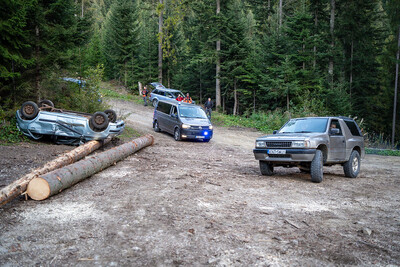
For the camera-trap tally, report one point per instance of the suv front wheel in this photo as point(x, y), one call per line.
point(317, 164)
point(266, 168)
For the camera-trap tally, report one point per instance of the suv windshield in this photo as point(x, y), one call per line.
point(309, 125)
point(192, 112)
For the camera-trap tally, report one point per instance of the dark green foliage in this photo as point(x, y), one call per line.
point(120, 41)
point(9, 132)
point(267, 64)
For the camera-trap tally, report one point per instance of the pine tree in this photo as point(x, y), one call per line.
point(121, 41)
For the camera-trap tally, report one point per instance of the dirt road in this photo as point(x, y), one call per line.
point(194, 203)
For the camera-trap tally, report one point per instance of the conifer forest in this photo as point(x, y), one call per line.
point(304, 57)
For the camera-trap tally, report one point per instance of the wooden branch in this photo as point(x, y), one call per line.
point(19, 186)
point(54, 182)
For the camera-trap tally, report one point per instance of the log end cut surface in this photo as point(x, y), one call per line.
point(38, 189)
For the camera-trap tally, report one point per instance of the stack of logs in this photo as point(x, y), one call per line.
point(67, 170)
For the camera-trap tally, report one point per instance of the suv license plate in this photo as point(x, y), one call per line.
point(276, 151)
point(200, 136)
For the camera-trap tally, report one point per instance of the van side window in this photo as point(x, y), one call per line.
point(164, 107)
point(174, 110)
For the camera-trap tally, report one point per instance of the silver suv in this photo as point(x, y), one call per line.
point(311, 143)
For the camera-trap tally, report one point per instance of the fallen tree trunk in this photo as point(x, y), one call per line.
point(54, 182)
point(19, 186)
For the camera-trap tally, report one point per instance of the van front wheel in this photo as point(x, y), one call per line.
point(177, 134)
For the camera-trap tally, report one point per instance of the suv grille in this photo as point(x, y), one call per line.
point(278, 144)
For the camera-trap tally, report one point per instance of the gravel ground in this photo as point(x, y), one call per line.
point(193, 204)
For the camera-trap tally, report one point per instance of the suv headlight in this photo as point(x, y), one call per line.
point(185, 126)
point(260, 143)
point(301, 144)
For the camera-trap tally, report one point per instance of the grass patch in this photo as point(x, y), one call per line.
point(264, 122)
point(9, 133)
point(382, 152)
point(129, 133)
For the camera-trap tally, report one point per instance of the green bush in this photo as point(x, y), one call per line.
point(9, 132)
point(383, 152)
point(265, 122)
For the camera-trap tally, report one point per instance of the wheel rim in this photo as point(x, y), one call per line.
point(156, 125)
point(355, 164)
point(29, 110)
point(176, 134)
point(99, 119)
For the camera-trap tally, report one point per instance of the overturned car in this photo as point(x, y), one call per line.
point(64, 126)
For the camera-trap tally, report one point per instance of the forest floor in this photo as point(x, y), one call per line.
point(193, 204)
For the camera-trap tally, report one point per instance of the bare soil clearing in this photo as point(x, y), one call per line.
point(193, 203)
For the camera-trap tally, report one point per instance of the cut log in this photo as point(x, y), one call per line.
point(19, 186)
point(54, 182)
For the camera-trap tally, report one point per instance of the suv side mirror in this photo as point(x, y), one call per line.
point(275, 132)
point(174, 115)
point(334, 131)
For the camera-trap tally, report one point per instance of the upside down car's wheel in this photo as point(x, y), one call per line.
point(112, 116)
point(29, 110)
point(45, 103)
point(99, 121)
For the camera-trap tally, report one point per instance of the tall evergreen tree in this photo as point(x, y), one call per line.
point(121, 40)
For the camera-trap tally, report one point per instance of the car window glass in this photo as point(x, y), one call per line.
point(164, 107)
point(336, 124)
point(170, 95)
point(192, 112)
point(353, 128)
point(309, 125)
point(174, 111)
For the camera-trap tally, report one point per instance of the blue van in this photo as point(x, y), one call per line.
point(182, 120)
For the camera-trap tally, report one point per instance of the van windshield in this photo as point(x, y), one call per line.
point(192, 112)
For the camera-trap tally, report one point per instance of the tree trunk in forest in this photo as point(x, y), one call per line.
point(280, 13)
point(54, 182)
point(315, 47)
point(351, 65)
point(254, 100)
point(19, 186)
point(395, 90)
point(235, 104)
point(160, 54)
point(218, 67)
point(37, 69)
point(332, 28)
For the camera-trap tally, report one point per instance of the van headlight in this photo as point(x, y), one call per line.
point(301, 143)
point(185, 126)
point(260, 144)
point(210, 127)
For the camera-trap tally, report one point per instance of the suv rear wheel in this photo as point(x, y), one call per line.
point(266, 168)
point(155, 101)
point(316, 168)
point(352, 167)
